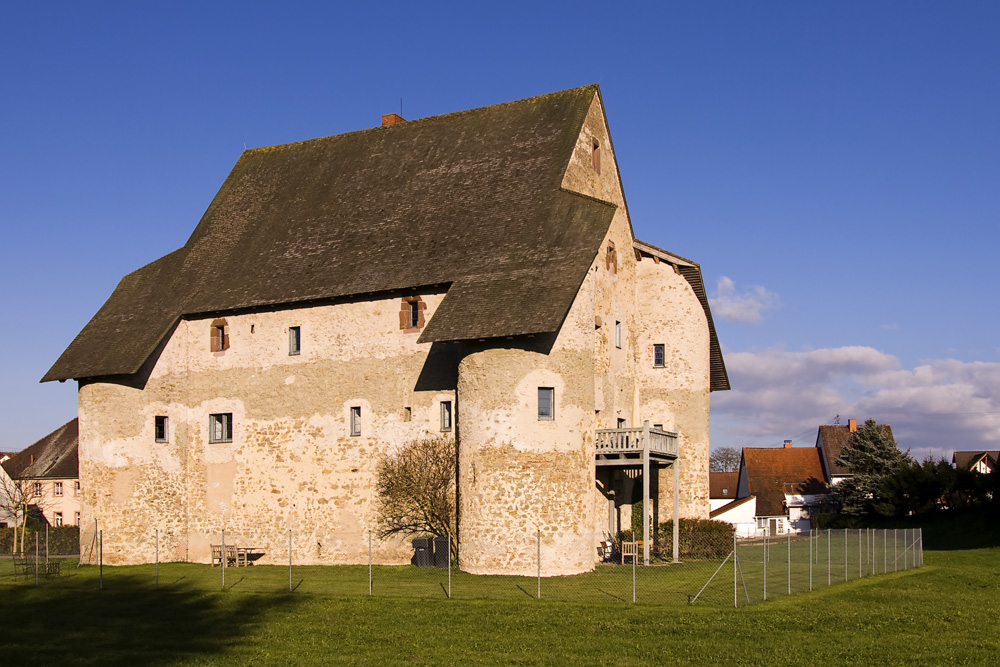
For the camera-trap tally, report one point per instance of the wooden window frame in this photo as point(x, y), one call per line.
point(549, 415)
point(661, 349)
point(57, 489)
point(407, 307)
point(355, 425)
point(224, 421)
point(294, 341)
point(161, 429)
point(219, 339)
point(447, 417)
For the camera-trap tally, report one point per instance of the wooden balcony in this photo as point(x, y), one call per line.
point(630, 446)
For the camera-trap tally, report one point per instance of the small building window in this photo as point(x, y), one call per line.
point(411, 313)
point(618, 335)
point(36, 489)
point(596, 155)
point(621, 423)
point(160, 432)
point(407, 414)
point(220, 336)
point(445, 415)
point(57, 488)
point(611, 259)
point(57, 519)
point(76, 518)
point(76, 488)
point(546, 403)
point(659, 356)
point(356, 420)
point(294, 340)
point(220, 427)
point(658, 427)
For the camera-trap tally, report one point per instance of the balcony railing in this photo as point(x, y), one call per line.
point(624, 441)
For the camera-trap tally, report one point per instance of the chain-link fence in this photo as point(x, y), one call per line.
point(767, 567)
point(715, 568)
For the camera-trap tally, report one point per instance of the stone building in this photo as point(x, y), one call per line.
point(474, 273)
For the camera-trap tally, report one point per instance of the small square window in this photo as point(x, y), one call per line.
point(57, 519)
point(658, 427)
point(160, 429)
point(36, 489)
point(57, 488)
point(77, 518)
point(659, 356)
point(621, 423)
point(356, 420)
point(445, 415)
point(546, 403)
point(220, 427)
point(407, 414)
point(618, 335)
point(294, 340)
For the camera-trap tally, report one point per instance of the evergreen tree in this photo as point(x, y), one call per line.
point(874, 459)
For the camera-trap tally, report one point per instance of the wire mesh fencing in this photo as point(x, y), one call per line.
point(767, 567)
point(714, 568)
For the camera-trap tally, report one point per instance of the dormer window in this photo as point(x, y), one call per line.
point(220, 336)
point(595, 155)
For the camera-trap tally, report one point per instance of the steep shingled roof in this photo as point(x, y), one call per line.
point(834, 438)
point(770, 469)
point(471, 199)
point(54, 456)
point(967, 460)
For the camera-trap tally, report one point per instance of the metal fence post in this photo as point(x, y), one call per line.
point(538, 561)
point(845, 554)
point(46, 547)
point(36, 557)
point(635, 557)
point(810, 559)
point(885, 550)
point(225, 558)
point(289, 560)
point(736, 596)
point(860, 556)
point(100, 558)
point(829, 561)
point(369, 563)
point(765, 565)
point(789, 562)
point(157, 557)
point(449, 563)
point(895, 549)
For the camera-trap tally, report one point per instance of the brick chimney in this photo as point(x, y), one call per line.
point(392, 119)
point(788, 444)
point(852, 424)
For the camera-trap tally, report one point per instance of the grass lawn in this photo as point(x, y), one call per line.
point(947, 612)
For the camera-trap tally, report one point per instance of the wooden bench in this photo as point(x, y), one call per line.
point(235, 557)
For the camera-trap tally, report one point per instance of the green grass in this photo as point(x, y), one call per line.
point(943, 613)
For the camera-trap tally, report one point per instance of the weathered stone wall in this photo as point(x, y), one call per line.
point(676, 395)
point(292, 463)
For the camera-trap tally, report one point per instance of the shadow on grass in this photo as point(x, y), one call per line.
point(131, 624)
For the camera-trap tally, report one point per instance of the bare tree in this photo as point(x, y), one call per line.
point(724, 459)
point(16, 498)
point(416, 488)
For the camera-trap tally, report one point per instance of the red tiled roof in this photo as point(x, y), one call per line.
point(834, 438)
point(769, 469)
point(723, 484)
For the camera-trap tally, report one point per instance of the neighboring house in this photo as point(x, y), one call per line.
point(788, 483)
point(472, 275)
point(831, 440)
point(741, 513)
point(722, 488)
point(50, 469)
point(984, 462)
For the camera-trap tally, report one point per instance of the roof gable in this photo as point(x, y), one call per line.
point(831, 440)
point(470, 199)
point(723, 484)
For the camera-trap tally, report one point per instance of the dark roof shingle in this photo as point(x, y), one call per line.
point(471, 199)
point(54, 456)
point(723, 484)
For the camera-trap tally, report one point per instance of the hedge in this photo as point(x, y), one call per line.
point(63, 540)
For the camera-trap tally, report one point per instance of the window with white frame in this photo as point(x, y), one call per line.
point(76, 518)
point(57, 519)
point(220, 427)
point(618, 334)
point(76, 488)
point(546, 403)
point(160, 429)
point(445, 415)
point(659, 356)
point(57, 488)
point(356, 420)
point(36, 488)
point(294, 340)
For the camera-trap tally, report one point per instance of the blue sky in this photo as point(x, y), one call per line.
point(834, 167)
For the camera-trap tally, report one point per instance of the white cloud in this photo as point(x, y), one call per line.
point(746, 306)
point(934, 408)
